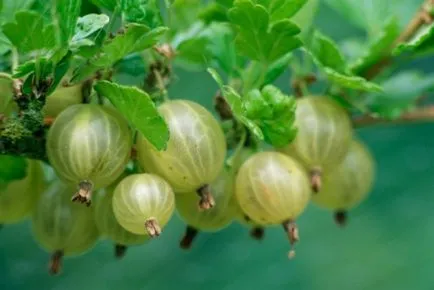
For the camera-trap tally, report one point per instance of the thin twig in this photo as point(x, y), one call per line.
point(422, 17)
point(423, 114)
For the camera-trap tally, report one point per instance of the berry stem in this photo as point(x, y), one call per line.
point(341, 217)
point(152, 227)
point(206, 199)
point(84, 193)
point(56, 262)
point(316, 179)
point(422, 114)
point(257, 233)
point(291, 230)
point(120, 251)
point(189, 236)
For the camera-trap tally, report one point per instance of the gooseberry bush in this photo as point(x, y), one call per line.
point(84, 95)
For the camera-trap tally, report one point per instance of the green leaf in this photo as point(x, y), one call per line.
point(214, 12)
point(234, 101)
point(137, 37)
point(400, 93)
point(138, 108)
point(274, 113)
point(232, 97)
point(370, 15)
point(107, 4)
point(226, 3)
point(282, 9)
point(327, 52)
point(66, 13)
point(29, 33)
point(6, 91)
point(268, 114)
point(5, 44)
point(257, 39)
point(143, 12)
point(12, 168)
point(10, 7)
point(24, 69)
point(183, 14)
point(304, 18)
point(351, 82)
point(195, 51)
point(326, 55)
point(89, 24)
point(421, 43)
point(378, 48)
point(7, 13)
point(222, 48)
point(60, 71)
point(253, 76)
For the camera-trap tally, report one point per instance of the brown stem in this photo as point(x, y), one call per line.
point(48, 121)
point(316, 179)
point(298, 84)
point(341, 217)
point(165, 50)
point(257, 233)
point(422, 114)
point(152, 227)
point(222, 107)
point(421, 18)
point(55, 263)
point(120, 251)
point(292, 231)
point(84, 193)
point(206, 199)
point(189, 236)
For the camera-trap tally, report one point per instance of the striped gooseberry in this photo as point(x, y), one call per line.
point(108, 225)
point(195, 151)
point(143, 204)
point(257, 231)
point(271, 189)
point(212, 220)
point(349, 184)
point(89, 145)
point(61, 227)
point(323, 137)
point(19, 197)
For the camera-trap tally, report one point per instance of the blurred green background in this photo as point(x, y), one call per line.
point(386, 245)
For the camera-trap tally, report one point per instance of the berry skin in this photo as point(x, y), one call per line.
point(195, 152)
point(211, 220)
point(272, 188)
point(19, 197)
point(323, 138)
point(61, 227)
point(143, 204)
point(89, 146)
point(62, 98)
point(108, 225)
point(349, 184)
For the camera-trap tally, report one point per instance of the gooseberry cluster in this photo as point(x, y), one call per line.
point(130, 198)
